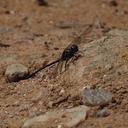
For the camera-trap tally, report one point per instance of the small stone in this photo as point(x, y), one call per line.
point(42, 2)
point(96, 97)
point(64, 24)
point(59, 126)
point(62, 92)
point(108, 67)
point(4, 45)
point(5, 29)
point(12, 12)
point(16, 72)
point(50, 104)
point(113, 3)
point(102, 113)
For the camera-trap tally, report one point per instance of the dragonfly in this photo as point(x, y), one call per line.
point(70, 52)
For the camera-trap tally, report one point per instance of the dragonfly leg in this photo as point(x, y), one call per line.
point(77, 56)
point(65, 65)
point(59, 67)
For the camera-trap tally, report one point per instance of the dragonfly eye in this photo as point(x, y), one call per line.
point(74, 48)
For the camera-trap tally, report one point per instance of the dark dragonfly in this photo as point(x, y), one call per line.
point(70, 52)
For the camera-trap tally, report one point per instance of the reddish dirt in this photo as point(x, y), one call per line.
point(30, 34)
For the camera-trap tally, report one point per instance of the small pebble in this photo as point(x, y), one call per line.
point(62, 92)
point(5, 29)
point(102, 113)
point(96, 97)
point(42, 3)
point(113, 3)
point(59, 126)
point(64, 24)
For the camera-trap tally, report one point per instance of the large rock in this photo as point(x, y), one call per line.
point(104, 59)
point(67, 118)
point(16, 72)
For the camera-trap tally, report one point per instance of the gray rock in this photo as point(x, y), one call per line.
point(67, 118)
point(102, 113)
point(16, 72)
point(5, 29)
point(96, 97)
point(64, 25)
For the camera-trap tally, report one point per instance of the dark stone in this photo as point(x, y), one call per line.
point(42, 3)
point(113, 3)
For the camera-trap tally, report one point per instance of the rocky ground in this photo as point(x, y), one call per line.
point(33, 35)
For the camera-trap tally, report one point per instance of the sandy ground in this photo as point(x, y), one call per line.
point(31, 34)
